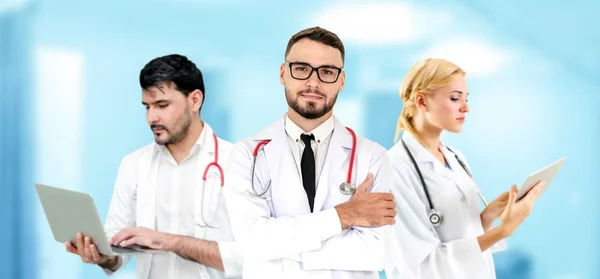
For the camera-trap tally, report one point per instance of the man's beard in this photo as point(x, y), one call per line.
point(182, 128)
point(311, 110)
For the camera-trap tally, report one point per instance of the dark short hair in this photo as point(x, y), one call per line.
point(320, 35)
point(176, 70)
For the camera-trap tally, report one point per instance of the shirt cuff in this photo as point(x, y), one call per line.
point(329, 222)
point(109, 272)
point(231, 258)
point(499, 246)
point(124, 258)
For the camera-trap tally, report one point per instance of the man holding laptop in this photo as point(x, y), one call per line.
point(167, 195)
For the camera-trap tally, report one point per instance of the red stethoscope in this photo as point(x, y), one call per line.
point(347, 187)
point(216, 165)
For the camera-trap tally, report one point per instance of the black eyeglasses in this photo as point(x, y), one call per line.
point(303, 71)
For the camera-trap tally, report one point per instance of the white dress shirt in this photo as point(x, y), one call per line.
point(319, 145)
point(175, 210)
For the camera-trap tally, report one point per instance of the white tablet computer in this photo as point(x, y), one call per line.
point(546, 174)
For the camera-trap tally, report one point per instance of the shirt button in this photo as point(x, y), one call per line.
point(463, 199)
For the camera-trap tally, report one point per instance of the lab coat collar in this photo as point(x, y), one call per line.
point(276, 131)
point(424, 157)
point(205, 141)
point(321, 132)
point(419, 152)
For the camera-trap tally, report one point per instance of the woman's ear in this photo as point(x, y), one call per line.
point(421, 101)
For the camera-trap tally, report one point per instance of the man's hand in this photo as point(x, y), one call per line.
point(141, 236)
point(88, 252)
point(366, 209)
point(198, 250)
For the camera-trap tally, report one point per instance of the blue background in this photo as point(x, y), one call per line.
point(70, 101)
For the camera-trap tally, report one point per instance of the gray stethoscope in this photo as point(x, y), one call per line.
point(347, 187)
point(435, 217)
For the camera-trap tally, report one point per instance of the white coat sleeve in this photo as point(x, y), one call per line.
point(500, 245)
point(229, 248)
point(262, 237)
point(121, 212)
point(357, 248)
point(231, 258)
point(417, 242)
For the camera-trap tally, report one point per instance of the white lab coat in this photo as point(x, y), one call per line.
point(450, 250)
point(280, 238)
point(134, 197)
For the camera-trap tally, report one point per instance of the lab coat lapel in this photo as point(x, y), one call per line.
point(205, 205)
point(457, 174)
point(287, 191)
point(275, 148)
point(340, 146)
point(147, 176)
point(424, 157)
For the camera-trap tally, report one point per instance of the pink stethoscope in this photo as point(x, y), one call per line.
point(215, 164)
point(347, 187)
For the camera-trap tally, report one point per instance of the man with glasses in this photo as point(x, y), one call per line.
point(295, 205)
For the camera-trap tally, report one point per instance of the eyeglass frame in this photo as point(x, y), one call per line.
point(313, 69)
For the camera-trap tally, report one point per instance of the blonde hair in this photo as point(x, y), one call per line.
point(426, 75)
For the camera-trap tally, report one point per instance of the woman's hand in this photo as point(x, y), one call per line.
point(493, 211)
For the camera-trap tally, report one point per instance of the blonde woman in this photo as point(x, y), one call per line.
point(440, 229)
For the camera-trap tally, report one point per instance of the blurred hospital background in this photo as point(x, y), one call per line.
point(70, 102)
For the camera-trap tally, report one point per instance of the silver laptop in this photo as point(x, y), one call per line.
point(70, 212)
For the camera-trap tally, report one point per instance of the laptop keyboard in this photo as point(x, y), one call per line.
point(122, 250)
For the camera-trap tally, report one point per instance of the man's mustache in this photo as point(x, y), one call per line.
point(312, 91)
point(158, 126)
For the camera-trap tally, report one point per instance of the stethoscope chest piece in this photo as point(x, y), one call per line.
point(435, 218)
point(347, 188)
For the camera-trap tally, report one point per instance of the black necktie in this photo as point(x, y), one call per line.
point(307, 166)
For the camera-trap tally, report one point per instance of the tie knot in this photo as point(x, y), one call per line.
point(307, 138)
